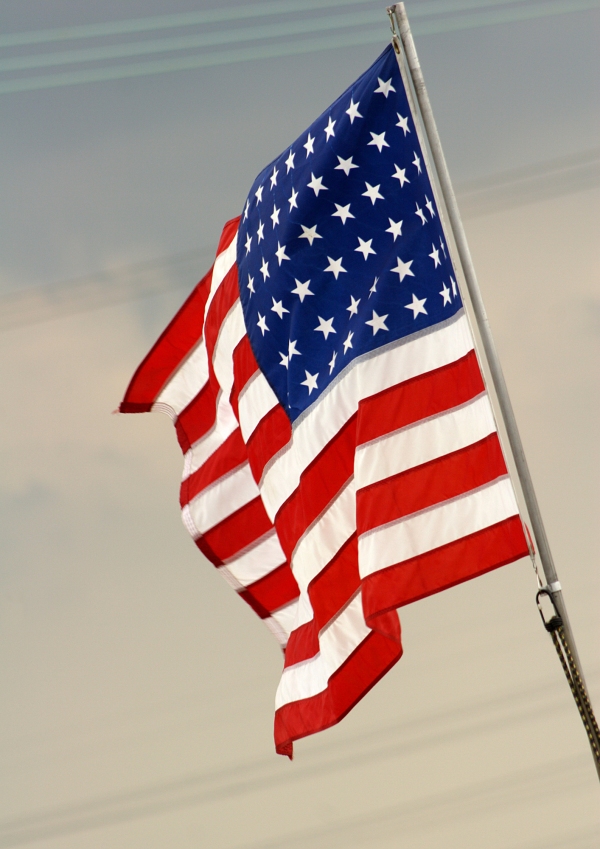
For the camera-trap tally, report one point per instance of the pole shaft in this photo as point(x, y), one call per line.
point(489, 347)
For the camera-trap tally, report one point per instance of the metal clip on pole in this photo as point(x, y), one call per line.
point(555, 622)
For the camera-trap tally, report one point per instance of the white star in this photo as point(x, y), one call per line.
point(342, 212)
point(352, 110)
point(429, 206)
point(379, 141)
point(335, 266)
point(316, 184)
point(251, 284)
point(421, 214)
point(325, 326)
point(290, 161)
point(346, 165)
point(364, 247)
point(373, 288)
point(348, 342)
point(442, 246)
point(260, 232)
point(248, 243)
point(264, 269)
point(284, 360)
point(302, 289)
point(331, 363)
point(395, 228)
point(274, 216)
point(403, 123)
point(292, 349)
point(310, 234)
point(246, 208)
point(384, 87)
point(454, 287)
point(308, 145)
point(416, 306)
point(258, 194)
point(280, 253)
point(278, 308)
point(445, 293)
point(400, 175)
point(262, 323)
point(311, 381)
point(403, 269)
point(435, 256)
point(378, 322)
point(417, 162)
point(292, 200)
point(373, 193)
point(353, 308)
point(329, 129)
point(273, 177)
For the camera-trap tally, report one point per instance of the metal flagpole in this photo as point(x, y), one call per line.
point(402, 34)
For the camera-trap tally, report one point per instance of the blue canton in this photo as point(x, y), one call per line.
point(340, 247)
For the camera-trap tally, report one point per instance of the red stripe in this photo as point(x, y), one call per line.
point(238, 531)
point(244, 366)
point(362, 670)
point(319, 484)
point(175, 343)
point(430, 483)
point(229, 456)
point(443, 567)
point(271, 435)
point(422, 396)
point(197, 418)
point(225, 297)
point(329, 591)
point(168, 352)
point(228, 234)
point(207, 551)
point(273, 591)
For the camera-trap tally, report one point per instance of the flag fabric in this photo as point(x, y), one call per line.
point(341, 454)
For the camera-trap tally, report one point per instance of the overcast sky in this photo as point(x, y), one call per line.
point(137, 699)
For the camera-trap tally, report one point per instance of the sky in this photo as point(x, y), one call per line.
point(137, 700)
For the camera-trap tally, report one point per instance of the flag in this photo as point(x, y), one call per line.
point(341, 457)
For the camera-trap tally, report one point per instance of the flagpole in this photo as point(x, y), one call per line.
point(553, 587)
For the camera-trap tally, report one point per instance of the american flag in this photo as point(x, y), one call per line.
point(341, 454)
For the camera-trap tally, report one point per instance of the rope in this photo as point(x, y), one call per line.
point(555, 628)
point(581, 699)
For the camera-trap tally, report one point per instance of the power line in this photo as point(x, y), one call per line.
point(438, 807)
point(391, 741)
point(218, 38)
point(503, 11)
point(505, 190)
point(177, 21)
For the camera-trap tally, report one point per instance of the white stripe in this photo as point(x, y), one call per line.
point(187, 381)
point(257, 561)
point(321, 542)
point(254, 402)
point(200, 451)
point(286, 617)
point(226, 422)
point(437, 526)
point(231, 332)
point(222, 499)
point(223, 263)
point(279, 623)
point(419, 443)
point(337, 643)
point(368, 377)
